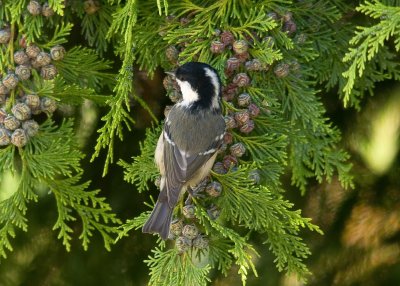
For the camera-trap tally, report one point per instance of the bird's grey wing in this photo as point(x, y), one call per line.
point(180, 166)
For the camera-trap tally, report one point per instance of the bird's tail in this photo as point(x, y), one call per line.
point(159, 220)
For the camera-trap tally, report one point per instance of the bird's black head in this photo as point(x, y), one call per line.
point(200, 85)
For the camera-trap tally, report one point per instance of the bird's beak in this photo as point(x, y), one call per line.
point(171, 73)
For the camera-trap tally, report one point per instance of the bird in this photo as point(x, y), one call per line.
point(188, 145)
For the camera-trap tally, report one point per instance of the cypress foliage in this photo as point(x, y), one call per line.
point(276, 59)
point(51, 158)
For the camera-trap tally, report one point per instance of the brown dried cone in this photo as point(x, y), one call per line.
point(42, 59)
point(232, 64)
point(229, 92)
point(255, 176)
point(190, 231)
point(48, 72)
point(47, 11)
point(48, 104)
point(10, 81)
point(157, 181)
point(32, 100)
point(182, 244)
point(265, 67)
point(240, 46)
point(4, 137)
point(217, 32)
point(273, 16)
point(288, 16)
point(22, 42)
point(251, 38)
point(34, 8)
point(21, 111)
point(254, 110)
point(3, 98)
point(238, 149)
point(219, 168)
point(188, 211)
point(289, 27)
point(214, 189)
point(213, 212)
point(11, 123)
point(170, 18)
point(31, 127)
point(184, 21)
point(91, 6)
point(244, 100)
point(171, 236)
point(243, 57)
point(227, 38)
point(167, 83)
point(170, 83)
point(172, 54)
point(301, 38)
point(19, 138)
point(200, 242)
point(23, 72)
point(294, 65)
point(5, 35)
point(254, 65)
point(174, 95)
point(217, 47)
point(228, 96)
point(230, 122)
point(228, 138)
point(222, 148)
point(200, 187)
point(162, 31)
point(242, 117)
point(176, 227)
point(282, 70)
point(247, 127)
point(241, 80)
point(3, 89)
point(229, 161)
point(32, 51)
point(57, 53)
point(20, 58)
point(36, 111)
point(3, 115)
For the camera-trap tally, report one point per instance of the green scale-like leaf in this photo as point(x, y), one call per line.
point(369, 42)
point(51, 159)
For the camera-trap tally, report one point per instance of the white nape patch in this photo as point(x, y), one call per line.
point(168, 139)
point(208, 152)
point(214, 79)
point(188, 94)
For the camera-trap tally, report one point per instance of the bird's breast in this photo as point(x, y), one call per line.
point(194, 132)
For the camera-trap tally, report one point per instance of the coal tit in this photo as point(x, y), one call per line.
point(188, 144)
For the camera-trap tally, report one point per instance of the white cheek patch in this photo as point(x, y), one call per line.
point(215, 82)
point(188, 94)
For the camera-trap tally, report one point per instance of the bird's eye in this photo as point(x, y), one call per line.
point(183, 78)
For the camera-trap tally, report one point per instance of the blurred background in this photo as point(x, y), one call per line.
point(361, 245)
